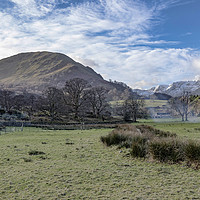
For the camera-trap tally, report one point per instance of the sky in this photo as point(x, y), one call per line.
point(142, 43)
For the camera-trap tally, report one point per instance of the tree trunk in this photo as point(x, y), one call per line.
point(182, 118)
point(186, 117)
point(134, 118)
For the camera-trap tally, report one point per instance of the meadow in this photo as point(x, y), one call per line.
point(148, 103)
point(49, 164)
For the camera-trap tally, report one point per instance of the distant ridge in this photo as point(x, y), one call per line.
point(175, 89)
point(35, 71)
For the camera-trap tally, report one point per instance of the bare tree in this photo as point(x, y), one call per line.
point(50, 103)
point(31, 103)
point(6, 99)
point(75, 95)
point(181, 105)
point(19, 102)
point(132, 108)
point(97, 101)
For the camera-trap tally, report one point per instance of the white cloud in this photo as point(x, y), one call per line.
point(114, 53)
point(32, 8)
point(196, 64)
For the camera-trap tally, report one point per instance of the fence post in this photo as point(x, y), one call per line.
point(22, 126)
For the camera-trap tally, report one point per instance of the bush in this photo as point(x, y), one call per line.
point(156, 132)
point(167, 150)
point(114, 139)
point(192, 151)
point(120, 136)
point(126, 128)
point(139, 146)
point(145, 140)
point(126, 144)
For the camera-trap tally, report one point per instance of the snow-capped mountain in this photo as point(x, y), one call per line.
point(175, 89)
point(160, 88)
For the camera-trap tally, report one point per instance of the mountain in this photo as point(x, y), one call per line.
point(35, 71)
point(160, 88)
point(175, 89)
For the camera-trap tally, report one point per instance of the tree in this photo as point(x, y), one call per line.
point(181, 105)
point(132, 108)
point(97, 101)
point(50, 103)
point(19, 102)
point(195, 104)
point(75, 95)
point(31, 103)
point(6, 99)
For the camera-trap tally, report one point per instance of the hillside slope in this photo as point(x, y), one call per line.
point(36, 71)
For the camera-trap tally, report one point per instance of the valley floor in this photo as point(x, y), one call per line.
point(76, 165)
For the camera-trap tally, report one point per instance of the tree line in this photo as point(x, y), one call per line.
point(77, 101)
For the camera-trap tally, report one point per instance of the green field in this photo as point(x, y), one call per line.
point(155, 103)
point(187, 130)
point(76, 165)
point(148, 103)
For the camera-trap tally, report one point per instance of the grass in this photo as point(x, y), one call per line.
point(187, 130)
point(148, 103)
point(86, 169)
point(155, 103)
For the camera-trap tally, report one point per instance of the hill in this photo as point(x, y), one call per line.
point(35, 71)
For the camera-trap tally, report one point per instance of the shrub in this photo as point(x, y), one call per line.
point(156, 132)
point(145, 140)
point(126, 144)
point(126, 127)
point(167, 150)
point(134, 137)
point(192, 151)
point(122, 136)
point(114, 139)
point(139, 146)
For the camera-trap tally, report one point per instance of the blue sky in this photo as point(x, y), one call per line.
point(140, 42)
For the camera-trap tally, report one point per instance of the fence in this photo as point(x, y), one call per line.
point(7, 128)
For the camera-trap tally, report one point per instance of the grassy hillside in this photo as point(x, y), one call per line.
point(26, 65)
point(76, 165)
point(35, 71)
point(39, 69)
